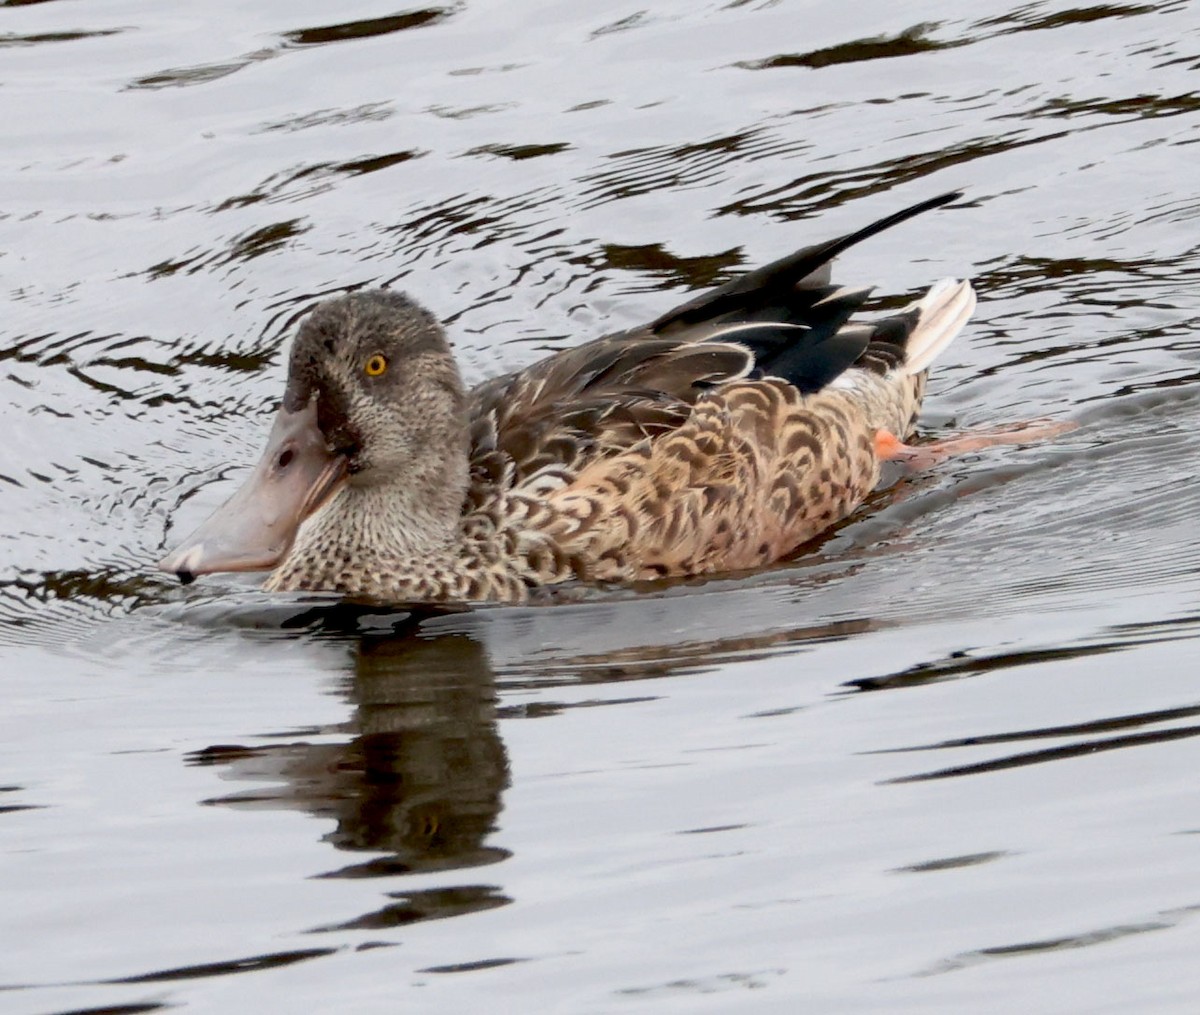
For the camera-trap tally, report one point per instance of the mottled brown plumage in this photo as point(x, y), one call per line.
point(719, 437)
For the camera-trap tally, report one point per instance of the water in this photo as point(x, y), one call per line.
point(223, 801)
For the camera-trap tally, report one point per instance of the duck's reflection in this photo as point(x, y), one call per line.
point(415, 776)
point(413, 780)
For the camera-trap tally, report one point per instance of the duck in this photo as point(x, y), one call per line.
point(720, 437)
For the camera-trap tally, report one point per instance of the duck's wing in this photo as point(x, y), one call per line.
point(597, 399)
point(784, 320)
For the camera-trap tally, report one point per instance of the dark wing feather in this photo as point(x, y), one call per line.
point(774, 285)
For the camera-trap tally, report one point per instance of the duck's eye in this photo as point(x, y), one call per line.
point(376, 365)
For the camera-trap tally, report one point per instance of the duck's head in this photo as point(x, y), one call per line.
point(373, 398)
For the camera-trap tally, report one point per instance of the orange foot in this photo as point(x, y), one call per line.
point(889, 447)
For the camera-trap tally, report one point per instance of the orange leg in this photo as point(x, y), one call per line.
point(889, 447)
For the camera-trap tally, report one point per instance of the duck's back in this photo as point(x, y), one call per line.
point(719, 437)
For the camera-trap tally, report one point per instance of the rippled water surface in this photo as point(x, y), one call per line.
point(946, 761)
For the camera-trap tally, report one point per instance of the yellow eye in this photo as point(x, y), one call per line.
point(376, 365)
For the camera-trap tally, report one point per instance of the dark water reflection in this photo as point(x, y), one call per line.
point(420, 778)
point(692, 794)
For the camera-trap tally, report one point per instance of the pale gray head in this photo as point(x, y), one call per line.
point(374, 405)
point(388, 393)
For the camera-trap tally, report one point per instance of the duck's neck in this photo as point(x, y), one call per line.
point(383, 539)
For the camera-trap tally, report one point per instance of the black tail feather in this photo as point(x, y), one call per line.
point(775, 284)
